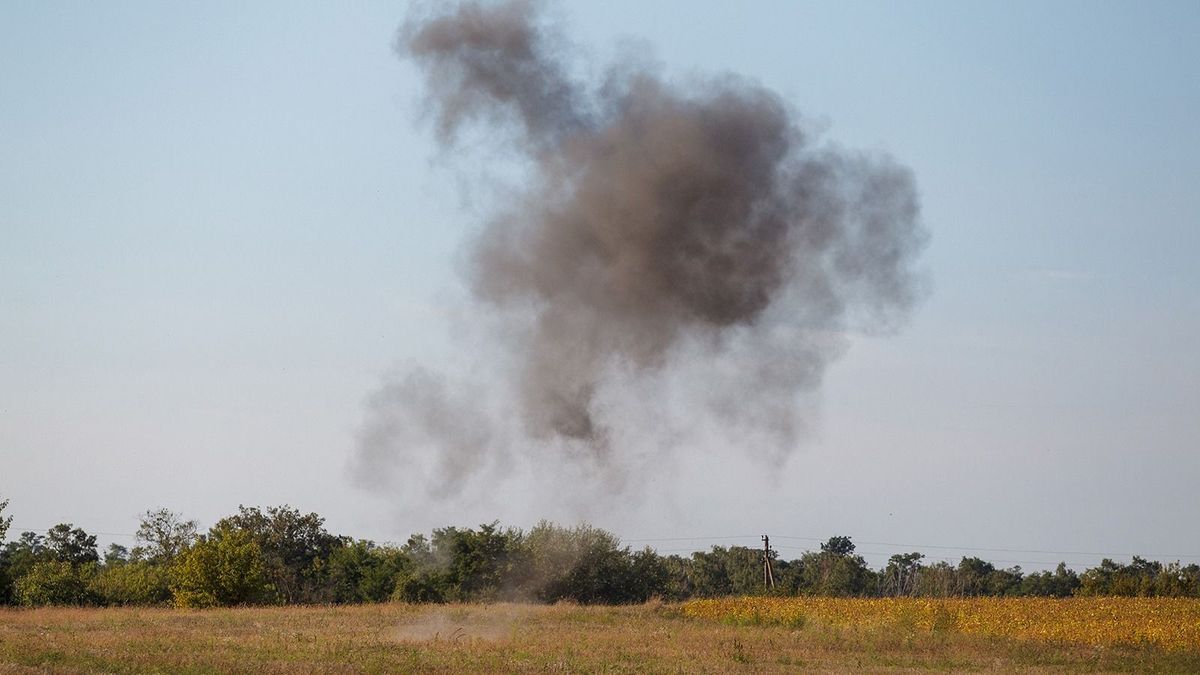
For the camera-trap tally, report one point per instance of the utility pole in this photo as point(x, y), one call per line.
point(768, 575)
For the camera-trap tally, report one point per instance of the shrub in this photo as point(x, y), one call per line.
point(135, 583)
point(360, 571)
point(225, 568)
point(55, 582)
point(421, 585)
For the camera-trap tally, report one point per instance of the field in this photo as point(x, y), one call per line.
point(747, 635)
point(1166, 623)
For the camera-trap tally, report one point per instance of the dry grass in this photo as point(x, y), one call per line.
point(517, 638)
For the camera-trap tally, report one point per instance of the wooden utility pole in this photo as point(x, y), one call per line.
point(768, 575)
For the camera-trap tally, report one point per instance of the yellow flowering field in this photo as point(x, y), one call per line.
point(1171, 623)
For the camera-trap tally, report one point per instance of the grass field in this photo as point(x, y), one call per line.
point(838, 636)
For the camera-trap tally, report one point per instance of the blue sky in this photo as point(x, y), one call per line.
point(221, 225)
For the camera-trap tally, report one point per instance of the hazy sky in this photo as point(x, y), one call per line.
point(222, 224)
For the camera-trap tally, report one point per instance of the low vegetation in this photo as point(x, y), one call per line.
point(283, 556)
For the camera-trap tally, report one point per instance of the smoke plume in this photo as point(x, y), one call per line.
point(682, 256)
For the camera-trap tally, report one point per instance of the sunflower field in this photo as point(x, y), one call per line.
point(1168, 623)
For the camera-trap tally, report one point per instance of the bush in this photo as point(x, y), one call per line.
point(293, 547)
point(421, 585)
point(587, 564)
point(363, 572)
point(223, 569)
point(55, 582)
point(135, 583)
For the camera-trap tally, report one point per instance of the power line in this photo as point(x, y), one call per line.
point(927, 546)
point(47, 529)
point(1007, 550)
point(953, 559)
point(1069, 563)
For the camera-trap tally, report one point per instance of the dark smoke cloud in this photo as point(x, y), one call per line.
point(670, 237)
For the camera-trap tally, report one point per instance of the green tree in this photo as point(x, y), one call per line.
point(902, 573)
point(17, 558)
point(163, 535)
point(650, 577)
point(1059, 584)
point(587, 564)
point(1188, 579)
point(360, 571)
point(5, 521)
point(5, 576)
point(295, 549)
point(721, 571)
point(1175, 581)
point(222, 569)
point(835, 570)
point(1107, 578)
point(71, 545)
point(1141, 577)
point(422, 584)
point(426, 578)
point(978, 577)
point(677, 586)
point(115, 555)
point(479, 564)
point(131, 583)
point(21, 555)
point(56, 582)
point(838, 546)
point(1065, 582)
point(939, 580)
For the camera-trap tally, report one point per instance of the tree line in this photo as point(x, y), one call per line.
point(283, 556)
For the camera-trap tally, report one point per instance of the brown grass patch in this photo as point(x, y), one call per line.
point(462, 623)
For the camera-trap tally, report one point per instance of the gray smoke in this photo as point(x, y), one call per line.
point(669, 235)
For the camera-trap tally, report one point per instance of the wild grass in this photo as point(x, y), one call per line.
point(520, 638)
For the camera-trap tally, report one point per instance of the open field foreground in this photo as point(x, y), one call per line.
point(748, 635)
